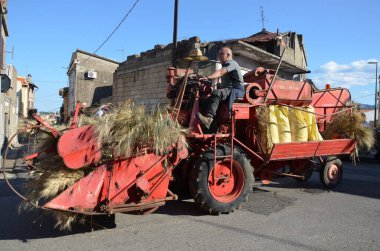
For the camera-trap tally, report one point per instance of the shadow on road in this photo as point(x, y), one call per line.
point(27, 225)
point(36, 225)
point(356, 181)
point(181, 207)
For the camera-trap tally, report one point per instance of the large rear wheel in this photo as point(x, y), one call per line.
point(214, 187)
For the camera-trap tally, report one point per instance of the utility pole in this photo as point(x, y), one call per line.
point(1, 36)
point(1, 95)
point(375, 120)
point(175, 28)
point(377, 98)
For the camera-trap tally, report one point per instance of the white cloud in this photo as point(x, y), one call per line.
point(356, 73)
point(333, 67)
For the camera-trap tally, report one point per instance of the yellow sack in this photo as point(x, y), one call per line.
point(298, 125)
point(282, 115)
point(267, 124)
point(311, 120)
point(273, 125)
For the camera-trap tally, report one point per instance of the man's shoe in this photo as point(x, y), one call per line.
point(206, 121)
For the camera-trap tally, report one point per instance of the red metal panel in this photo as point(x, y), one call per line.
point(290, 92)
point(299, 150)
point(241, 110)
point(338, 97)
point(125, 173)
point(83, 195)
point(79, 147)
point(55, 133)
point(330, 101)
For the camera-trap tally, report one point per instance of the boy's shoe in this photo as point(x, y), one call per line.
point(206, 121)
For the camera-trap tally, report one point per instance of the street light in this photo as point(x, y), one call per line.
point(375, 94)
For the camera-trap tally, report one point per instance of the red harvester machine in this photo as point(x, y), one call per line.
point(220, 164)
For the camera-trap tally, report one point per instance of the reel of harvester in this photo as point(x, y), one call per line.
point(82, 172)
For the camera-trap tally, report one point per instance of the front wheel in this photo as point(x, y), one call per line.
point(331, 172)
point(214, 187)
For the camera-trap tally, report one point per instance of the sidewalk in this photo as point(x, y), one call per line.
point(14, 165)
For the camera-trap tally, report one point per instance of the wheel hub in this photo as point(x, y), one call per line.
point(227, 185)
point(333, 172)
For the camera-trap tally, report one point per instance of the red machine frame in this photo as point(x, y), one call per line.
point(221, 164)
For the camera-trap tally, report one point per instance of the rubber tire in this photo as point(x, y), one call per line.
point(198, 181)
point(323, 173)
point(180, 183)
point(377, 156)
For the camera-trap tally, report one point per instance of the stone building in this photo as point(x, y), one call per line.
point(90, 79)
point(264, 49)
point(8, 96)
point(9, 106)
point(26, 95)
point(13, 101)
point(63, 112)
point(142, 77)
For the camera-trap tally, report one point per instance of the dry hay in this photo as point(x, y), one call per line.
point(263, 124)
point(84, 120)
point(129, 129)
point(65, 220)
point(24, 122)
point(47, 181)
point(38, 139)
point(350, 125)
point(59, 127)
point(88, 116)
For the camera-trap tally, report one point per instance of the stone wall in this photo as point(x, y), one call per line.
point(8, 108)
point(142, 78)
point(144, 85)
point(13, 102)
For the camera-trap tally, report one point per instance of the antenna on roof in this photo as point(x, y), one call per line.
point(11, 52)
point(262, 17)
point(123, 51)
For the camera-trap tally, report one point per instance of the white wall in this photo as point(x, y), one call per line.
point(1, 129)
point(1, 121)
point(370, 116)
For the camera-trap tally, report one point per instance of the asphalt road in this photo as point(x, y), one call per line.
point(285, 215)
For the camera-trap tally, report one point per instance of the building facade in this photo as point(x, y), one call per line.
point(26, 95)
point(13, 103)
point(63, 112)
point(90, 79)
point(5, 99)
point(264, 49)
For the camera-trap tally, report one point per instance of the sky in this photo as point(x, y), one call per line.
point(341, 36)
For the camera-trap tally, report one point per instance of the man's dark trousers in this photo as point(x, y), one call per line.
point(220, 95)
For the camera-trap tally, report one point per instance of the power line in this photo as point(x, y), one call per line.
point(117, 27)
point(366, 96)
point(49, 81)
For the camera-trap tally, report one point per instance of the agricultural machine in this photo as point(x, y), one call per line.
point(219, 164)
